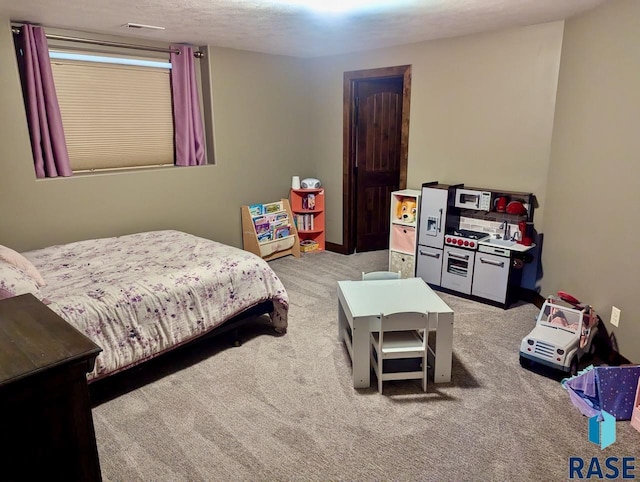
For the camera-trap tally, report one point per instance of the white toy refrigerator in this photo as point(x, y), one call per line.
point(436, 209)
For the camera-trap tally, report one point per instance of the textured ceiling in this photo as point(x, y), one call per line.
point(262, 26)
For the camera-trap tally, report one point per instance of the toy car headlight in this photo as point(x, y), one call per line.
point(560, 351)
point(530, 342)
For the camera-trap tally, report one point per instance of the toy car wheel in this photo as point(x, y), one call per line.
point(573, 368)
point(525, 362)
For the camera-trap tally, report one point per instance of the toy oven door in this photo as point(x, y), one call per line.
point(457, 269)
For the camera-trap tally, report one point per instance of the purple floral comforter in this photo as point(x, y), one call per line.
point(139, 295)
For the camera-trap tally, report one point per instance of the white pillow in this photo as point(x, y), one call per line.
point(14, 281)
point(19, 261)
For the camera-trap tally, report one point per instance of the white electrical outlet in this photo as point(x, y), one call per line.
point(615, 316)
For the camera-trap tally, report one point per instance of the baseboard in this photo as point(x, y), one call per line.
point(335, 248)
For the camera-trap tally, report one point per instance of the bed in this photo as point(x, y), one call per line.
point(141, 295)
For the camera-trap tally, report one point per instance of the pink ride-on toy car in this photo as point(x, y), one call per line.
point(564, 332)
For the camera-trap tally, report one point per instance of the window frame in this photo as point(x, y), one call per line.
point(203, 79)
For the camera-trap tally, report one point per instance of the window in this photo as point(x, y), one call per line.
point(117, 108)
point(116, 111)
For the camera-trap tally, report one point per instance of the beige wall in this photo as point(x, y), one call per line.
point(482, 111)
point(260, 130)
point(591, 219)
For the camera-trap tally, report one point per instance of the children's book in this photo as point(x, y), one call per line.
point(283, 231)
point(272, 207)
point(260, 220)
point(262, 228)
point(265, 236)
point(256, 209)
point(311, 201)
point(277, 219)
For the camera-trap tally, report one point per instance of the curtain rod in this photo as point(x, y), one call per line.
point(197, 54)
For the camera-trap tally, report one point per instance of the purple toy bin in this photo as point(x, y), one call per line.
point(635, 416)
point(612, 389)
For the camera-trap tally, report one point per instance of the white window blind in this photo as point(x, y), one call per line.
point(114, 116)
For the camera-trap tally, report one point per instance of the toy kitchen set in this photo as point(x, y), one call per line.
point(472, 241)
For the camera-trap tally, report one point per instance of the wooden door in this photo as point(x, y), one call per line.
point(375, 150)
point(378, 127)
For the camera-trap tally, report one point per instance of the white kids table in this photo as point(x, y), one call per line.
point(360, 304)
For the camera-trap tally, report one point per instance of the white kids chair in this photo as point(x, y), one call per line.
point(401, 335)
point(380, 275)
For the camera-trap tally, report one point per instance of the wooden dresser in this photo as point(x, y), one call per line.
point(46, 426)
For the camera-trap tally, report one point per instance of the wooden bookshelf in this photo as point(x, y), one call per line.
point(307, 206)
point(265, 233)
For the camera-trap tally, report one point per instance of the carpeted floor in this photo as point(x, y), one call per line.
point(283, 407)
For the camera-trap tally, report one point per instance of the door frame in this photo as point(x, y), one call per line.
point(349, 143)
